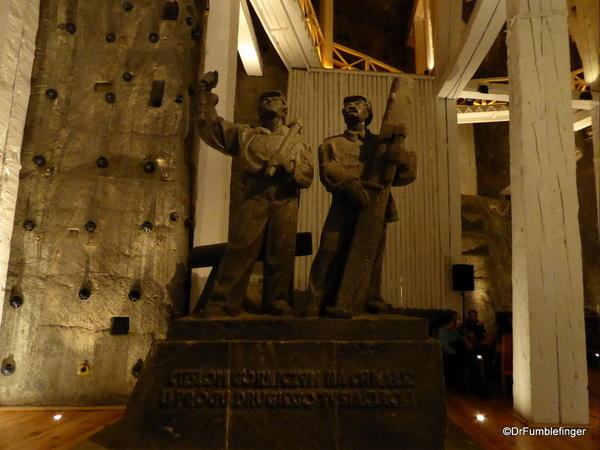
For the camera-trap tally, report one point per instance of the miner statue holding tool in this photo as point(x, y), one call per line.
point(276, 165)
point(358, 168)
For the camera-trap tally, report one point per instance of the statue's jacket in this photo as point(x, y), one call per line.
point(348, 157)
point(256, 145)
point(268, 208)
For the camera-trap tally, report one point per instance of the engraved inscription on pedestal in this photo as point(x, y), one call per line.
point(303, 389)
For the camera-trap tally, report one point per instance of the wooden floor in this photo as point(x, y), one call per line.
point(36, 429)
point(499, 413)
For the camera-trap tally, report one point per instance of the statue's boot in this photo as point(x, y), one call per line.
point(378, 306)
point(219, 309)
point(279, 308)
point(335, 313)
point(310, 311)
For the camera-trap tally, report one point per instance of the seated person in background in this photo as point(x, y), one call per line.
point(455, 348)
point(482, 355)
point(473, 329)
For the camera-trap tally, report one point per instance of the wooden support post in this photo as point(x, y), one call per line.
point(550, 373)
point(485, 23)
point(326, 21)
point(420, 50)
point(595, 113)
point(420, 36)
point(214, 169)
point(447, 28)
point(584, 25)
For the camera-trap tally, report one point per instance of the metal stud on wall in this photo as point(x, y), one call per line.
point(8, 366)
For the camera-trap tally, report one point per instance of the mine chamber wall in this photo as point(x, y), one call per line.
point(101, 235)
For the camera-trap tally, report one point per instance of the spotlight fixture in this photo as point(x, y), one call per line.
point(480, 417)
point(479, 357)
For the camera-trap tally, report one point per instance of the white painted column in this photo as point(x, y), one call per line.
point(326, 21)
point(550, 373)
point(447, 37)
point(419, 33)
point(584, 25)
point(214, 169)
point(449, 186)
point(595, 113)
point(18, 28)
point(467, 160)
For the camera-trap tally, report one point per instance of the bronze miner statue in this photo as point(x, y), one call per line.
point(358, 167)
point(277, 164)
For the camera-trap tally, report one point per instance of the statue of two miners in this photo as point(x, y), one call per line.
point(357, 167)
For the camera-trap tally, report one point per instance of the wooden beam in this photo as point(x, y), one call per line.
point(501, 113)
point(213, 169)
point(581, 119)
point(549, 360)
point(584, 26)
point(487, 19)
point(419, 34)
point(595, 113)
point(423, 36)
point(482, 114)
point(285, 24)
point(447, 23)
point(500, 92)
point(247, 44)
point(326, 21)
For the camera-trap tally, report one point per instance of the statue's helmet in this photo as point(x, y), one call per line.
point(271, 94)
point(355, 98)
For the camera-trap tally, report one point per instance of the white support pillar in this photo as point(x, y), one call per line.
point(214, 169)
point(584, 25)
point(595, 113)
point(420, 35)
point(550, 373)
point(423, 34)
point(447, 24)
point(467, 160)
point(326, 21)
point(447, 28)
point(18, 29)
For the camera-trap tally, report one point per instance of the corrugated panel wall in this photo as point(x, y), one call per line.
point(417, 253)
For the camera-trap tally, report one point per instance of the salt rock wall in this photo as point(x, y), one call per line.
point(101, 234)
point(486, 242)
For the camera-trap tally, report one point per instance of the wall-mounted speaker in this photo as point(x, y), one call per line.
point(463, 277)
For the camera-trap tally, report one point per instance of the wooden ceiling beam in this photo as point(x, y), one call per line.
point(501, 92)
point(487, 19)
point(584, 27)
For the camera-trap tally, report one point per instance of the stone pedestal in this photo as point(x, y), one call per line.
point(268, 383)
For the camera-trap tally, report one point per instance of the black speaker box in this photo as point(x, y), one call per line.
point(463, 277)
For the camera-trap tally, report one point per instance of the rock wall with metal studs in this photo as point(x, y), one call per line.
point(101, 236)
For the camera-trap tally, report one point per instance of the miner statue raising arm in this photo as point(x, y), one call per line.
point(276, 165)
